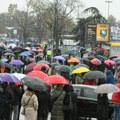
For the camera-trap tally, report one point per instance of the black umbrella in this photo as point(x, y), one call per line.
point(43, 61)
point(84, 59)
point(54, 64)
point(63, 68)
point(69, 53)
point(93, 75)
point(80, 65)
point(7, 65)
point(112, 57)
point(35, 83)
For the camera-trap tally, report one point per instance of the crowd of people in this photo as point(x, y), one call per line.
point(16, 99)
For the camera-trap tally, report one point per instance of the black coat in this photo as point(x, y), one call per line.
point(102, 107)
point(44, 100)
point(70, 115)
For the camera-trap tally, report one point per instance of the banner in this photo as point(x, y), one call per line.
point(102, 32)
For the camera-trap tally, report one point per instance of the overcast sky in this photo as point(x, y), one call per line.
point(100, 4)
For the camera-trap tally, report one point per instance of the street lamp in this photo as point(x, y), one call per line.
point(108, 2)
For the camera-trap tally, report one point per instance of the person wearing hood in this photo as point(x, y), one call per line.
point(110, 78)
point(116, 101)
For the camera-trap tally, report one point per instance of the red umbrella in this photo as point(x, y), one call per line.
point(102, 49)
point(96, 61)
point(30, 67)
point(38, 74)
point(38, 67)
point(56, 79)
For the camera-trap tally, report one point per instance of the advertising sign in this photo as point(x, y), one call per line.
point(91, 32)
point(102, 32)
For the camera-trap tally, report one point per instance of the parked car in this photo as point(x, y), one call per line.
point(87, 101)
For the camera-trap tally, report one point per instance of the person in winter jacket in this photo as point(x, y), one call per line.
point(70, 114)
point(30, 103)
point(116, 101)
point(110, 78)
point(102, 106)
point(57, 98)
point(44, 100)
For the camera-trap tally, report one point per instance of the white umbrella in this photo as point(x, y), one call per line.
point(107, 88)
point(20, 76)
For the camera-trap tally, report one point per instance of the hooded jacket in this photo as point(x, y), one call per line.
point(110, 78)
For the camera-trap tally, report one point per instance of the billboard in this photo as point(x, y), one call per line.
point(91, 32)
point(99, 32)
point(102, 32)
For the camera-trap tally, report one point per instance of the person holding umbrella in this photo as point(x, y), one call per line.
point(30, 105)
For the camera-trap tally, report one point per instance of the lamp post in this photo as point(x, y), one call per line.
point(108, 2)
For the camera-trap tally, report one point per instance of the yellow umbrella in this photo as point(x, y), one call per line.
point(80, 70)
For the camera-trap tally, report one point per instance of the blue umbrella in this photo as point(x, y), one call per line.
point(8, 50)
point(16, 62)
point(6, 77)
point(25, 54)
point(4, 60)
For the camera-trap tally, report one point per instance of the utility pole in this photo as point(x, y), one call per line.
point(108, 2)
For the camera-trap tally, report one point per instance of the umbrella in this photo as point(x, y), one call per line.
point(4, 60)
point(25, 54)
point(96, 61)
point(107, 88)
point(11, 45)
point(31, 59)
point(59, 58)
point(30, 67)
point(43, 61)
point(73, 60)
point(38, 67)
point(117, 59)
point(80, 70)
point(35, 83)
point(80, 65)
point(38, 74)
point(84, 59)
point(8, 51)
point(101, 57)
point(9, 54)
point(55, 64)
point(63, 68)
point(7, 65)
point(16, 62)
point(56, 79)
point(90, 57)
point(112, 57)
point(6, 77)
point(93, 75)
point(108, 62)
point(19, 76)
point(69, 53)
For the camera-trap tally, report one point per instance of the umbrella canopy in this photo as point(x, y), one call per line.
point(31, 59)
point(19, 76)
point(112, 57)
point(108, 62)
point(63, 68)
point(93, 75)
point(73, 60)
point(55, 64)
point(101, 57)
point(96, 61)
point(80, 65)
point(117, 59)
point(4, 60)
point(25, 54)
point(6, 77)
point(70, 52)
point(56, 79)
point(7, 65)
point(84, 59)
point(16, 62)
point(38, 74)
point(107, 88)
point(38, 67)
point(43, 61)
point(35, 83)
point(80, 70)
point(59, 58)
point(9, 54)
point(8, 51)
point(30, 67)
